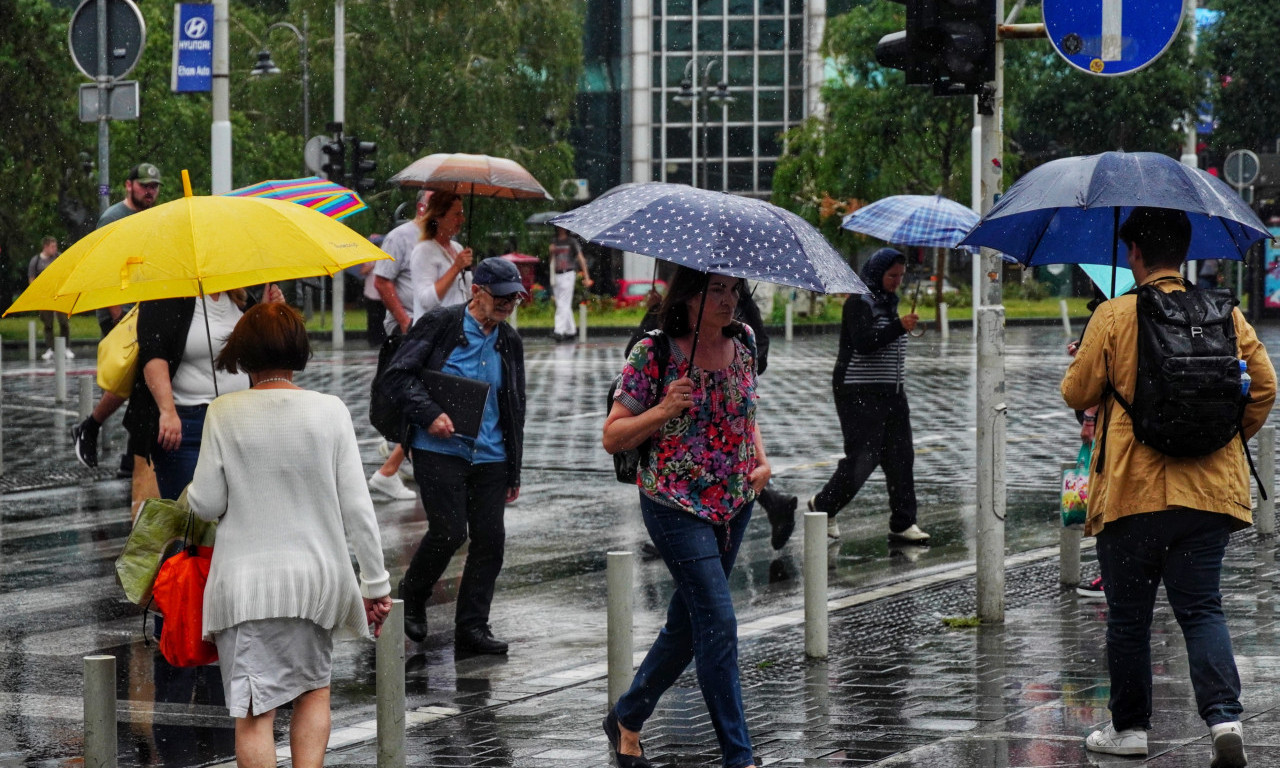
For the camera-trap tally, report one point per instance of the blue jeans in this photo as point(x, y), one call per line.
point(174, 469)
point(1184, 549)
point(701, 626)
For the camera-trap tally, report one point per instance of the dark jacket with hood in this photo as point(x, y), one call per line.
point(872, 353)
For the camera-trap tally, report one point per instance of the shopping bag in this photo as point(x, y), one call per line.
point(118, 356)
point(179, 594)
point(1075, 487)
point(157, 533)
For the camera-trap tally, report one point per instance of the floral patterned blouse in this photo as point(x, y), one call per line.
point(699, 461)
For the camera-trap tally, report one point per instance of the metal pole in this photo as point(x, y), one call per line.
point(59, 369)
point(104, 112)
point(582, 323)
point(1189, 157)
point(991, 414)
point(620, 576)
point(339, 116)
point(944, 325)
point(1066, 317)
point(99, 712)
point(306, 91)
point(975, 166)
point(815, 585)
point(86, 396)
point(220, 131)
point(789, 321)
point(389, 688)
point(1266, 518)
point(31, 339)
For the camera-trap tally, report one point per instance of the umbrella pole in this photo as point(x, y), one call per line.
point(1115, 245)
point(209, 336)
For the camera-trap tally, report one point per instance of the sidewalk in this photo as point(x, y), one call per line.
point(899, 687)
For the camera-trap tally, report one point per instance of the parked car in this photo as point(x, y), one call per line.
point(633, 292)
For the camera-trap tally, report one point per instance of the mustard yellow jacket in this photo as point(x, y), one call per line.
point(1139, 479)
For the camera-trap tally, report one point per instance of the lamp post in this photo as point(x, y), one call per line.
point(696, 95)
point(267, 67)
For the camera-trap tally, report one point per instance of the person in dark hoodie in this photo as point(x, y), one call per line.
point(871, 401)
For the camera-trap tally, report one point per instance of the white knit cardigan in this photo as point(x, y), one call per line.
point(280, 471)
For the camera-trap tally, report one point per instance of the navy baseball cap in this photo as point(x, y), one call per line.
point(498, 275)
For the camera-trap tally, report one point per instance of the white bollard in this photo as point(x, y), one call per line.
point(86, 396)
point(99, 712)
point(31, 340)
point(59, 369)
point(790, 322)
point(944, 325)
point(620, 576)
point(815, 585)
point(389, 688)
point(1266, 517)
point(582, 323)
point(1066, 317)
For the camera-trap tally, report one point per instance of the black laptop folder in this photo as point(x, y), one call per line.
point(462, 398)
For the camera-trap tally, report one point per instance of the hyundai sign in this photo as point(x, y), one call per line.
point(192, 48)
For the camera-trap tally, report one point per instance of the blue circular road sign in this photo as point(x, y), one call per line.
point(1112, 37)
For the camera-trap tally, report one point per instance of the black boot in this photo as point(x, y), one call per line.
point(415, 617)
point(478, 639)
point(781, 510)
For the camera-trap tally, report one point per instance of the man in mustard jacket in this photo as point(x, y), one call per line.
point(1160, 518)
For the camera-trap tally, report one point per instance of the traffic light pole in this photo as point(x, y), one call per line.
point(990, 369)
point(339, 116)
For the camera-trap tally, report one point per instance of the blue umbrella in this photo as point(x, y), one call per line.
point(1069, 211)
point(714, 232)
point(921, 220)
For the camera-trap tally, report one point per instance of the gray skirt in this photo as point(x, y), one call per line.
point(271, 662)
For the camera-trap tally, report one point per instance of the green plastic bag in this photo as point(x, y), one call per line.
point(157, 534)
point(1075, 488)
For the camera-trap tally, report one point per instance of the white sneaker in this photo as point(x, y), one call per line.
point(1228, 745)
point(48, 355)
point(1108, 741)
point(69, 354)
point(390, 486)
point(833, 528)
point(912, 535)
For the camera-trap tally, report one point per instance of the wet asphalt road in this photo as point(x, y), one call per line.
point(61, 528)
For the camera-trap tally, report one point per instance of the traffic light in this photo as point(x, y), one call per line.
point(335, 164)
point(949, 44)
point(363, 163)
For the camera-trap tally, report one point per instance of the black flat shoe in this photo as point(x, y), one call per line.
point(478, 639)
point(614, 734)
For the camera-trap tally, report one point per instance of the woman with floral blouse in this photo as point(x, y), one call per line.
point(705, 465)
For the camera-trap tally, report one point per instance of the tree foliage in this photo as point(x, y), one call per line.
point(1242, 48)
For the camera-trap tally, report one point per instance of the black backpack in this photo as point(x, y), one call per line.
point(1188, 399)
point(627, 463)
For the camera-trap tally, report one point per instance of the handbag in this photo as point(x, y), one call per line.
point(157, 533)
point(1075, 487)
point(118, 356)
point(179, 594)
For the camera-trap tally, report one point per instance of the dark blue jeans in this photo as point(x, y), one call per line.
point(174, 469)
point(1184, 549)
point(701, 626)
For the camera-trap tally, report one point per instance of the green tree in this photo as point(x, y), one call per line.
point(1241, 47)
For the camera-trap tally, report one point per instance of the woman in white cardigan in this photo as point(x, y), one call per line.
point(280, 470)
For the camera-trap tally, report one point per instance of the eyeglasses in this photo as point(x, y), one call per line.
point(510, 300)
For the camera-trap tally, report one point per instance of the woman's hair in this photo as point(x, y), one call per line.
point(437, 206)
point(687, 284)
point(268, 336)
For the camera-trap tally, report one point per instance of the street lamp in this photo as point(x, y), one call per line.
point(695, 94)
point(267, 67)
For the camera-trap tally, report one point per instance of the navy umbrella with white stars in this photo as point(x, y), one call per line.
point(714, 232)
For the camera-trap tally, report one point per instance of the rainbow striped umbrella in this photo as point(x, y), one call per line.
point(333, 200)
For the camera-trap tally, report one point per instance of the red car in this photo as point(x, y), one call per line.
point(633, 292)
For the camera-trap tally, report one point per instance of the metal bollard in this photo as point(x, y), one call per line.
point(620, 576)
point(582, 323)
point(389, 688)
point(99, 712)
point(1066, 317)
point(790, 322)
point(59, 369)
point(31, 340)
point(86, 396)
point(1266, 517)
point(815, 585)
point(944, 325)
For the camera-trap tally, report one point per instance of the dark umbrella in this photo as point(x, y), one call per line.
point(1069, 211)
point(714, 232)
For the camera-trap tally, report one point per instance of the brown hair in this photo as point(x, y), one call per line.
point(687, 284)
point(437, 206)
point(268, 336)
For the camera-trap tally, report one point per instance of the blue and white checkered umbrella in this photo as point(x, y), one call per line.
point(923, 220)
point(714, 232)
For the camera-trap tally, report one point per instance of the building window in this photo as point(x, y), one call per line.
point(771, 35)
point(679, 35)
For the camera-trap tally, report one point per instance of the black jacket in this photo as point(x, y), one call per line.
point(427, 346)
point(871, 330)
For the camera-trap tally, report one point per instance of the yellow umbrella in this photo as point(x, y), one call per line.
point(195, 245)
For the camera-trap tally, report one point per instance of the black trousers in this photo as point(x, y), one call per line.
point(877, 433)
point(375, 312)
point(463, 501)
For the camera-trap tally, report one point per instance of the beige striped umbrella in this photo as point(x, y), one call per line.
point(472, 175)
